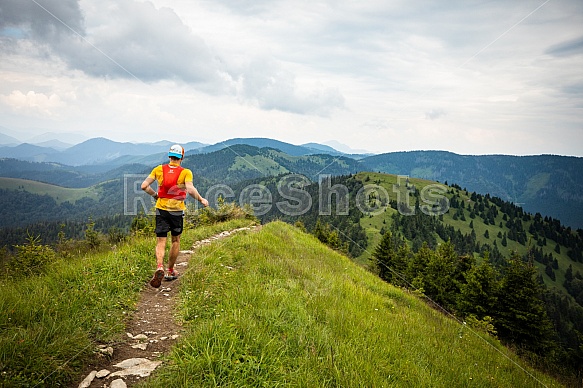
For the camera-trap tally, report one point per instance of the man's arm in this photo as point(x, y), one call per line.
point(194, 193)
point(146, 187)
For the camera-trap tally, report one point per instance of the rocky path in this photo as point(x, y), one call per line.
point(150, 333)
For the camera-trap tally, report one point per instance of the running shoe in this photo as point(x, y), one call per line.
point(157, 278)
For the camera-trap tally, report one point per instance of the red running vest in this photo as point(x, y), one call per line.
point(169, 187)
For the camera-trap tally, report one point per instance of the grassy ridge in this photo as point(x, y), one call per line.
point(277, 308)
point(58, 193)
point(50, 324)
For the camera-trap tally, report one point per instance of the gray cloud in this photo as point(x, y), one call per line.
point(137, 40)
point(39, 24)
point(129, 39)
point(274, 88)
point(568, 48)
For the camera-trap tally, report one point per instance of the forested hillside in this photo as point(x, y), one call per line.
point(242, 162)
point(549, 184)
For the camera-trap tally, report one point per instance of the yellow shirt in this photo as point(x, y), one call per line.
point(171, 204)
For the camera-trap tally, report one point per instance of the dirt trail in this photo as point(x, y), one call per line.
point(151, 332)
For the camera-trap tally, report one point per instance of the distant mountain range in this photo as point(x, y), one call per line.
point(549, 184)
point(92, 151)
point(112, 153)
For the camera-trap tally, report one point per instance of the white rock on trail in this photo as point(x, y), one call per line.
point(118, 383)
point(102, 373)
point(88, 380)
point(136, 366)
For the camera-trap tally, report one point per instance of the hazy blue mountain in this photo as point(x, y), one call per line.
point(54, 144)
point(7, 140)
point(100, 150)
point(63, 137)
point(26, 151)
point(93, 151)
point(103, 151)
point(549, 184)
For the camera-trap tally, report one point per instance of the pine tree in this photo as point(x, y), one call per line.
point(442, 276)
point(479, 295)
point(384, 257)
point(416, 267)
point(521, 318)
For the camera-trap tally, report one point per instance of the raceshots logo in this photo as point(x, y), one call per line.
point(295, 200)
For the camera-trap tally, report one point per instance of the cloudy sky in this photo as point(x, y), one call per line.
point(471, 77)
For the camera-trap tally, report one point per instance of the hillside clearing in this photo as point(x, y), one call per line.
point(58, 193)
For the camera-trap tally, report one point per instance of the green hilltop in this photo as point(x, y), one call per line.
point(58, 193)
point(269, 308)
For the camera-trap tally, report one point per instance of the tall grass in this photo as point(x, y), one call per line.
point(50, 324)
point(277, 308)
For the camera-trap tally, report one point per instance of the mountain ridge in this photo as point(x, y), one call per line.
point(549, 184)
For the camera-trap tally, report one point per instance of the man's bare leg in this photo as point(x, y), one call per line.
point(174, 251)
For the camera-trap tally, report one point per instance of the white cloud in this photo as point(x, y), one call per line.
point(378, 75)
point(32, 102)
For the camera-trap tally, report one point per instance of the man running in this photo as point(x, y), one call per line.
point(174, 183)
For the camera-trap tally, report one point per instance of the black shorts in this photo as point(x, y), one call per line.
point(166, 221)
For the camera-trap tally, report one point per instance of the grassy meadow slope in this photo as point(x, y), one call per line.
point(277, 308)
point(58, 193)
point(374, 223)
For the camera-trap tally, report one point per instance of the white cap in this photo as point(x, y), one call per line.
point(177, 151)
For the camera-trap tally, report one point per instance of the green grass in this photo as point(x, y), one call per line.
point(277, 308)
point(58, 193)
point(50, 324)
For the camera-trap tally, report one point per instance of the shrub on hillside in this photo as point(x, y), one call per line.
point(32, 258)
point(143, 224)
point(224, 212)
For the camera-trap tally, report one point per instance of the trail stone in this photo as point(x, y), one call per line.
point(102, 373)
point(141, 337)
point(118, 383)
point(88, 380)
point(140, 346)
point(136, 366)
point(130, 362)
